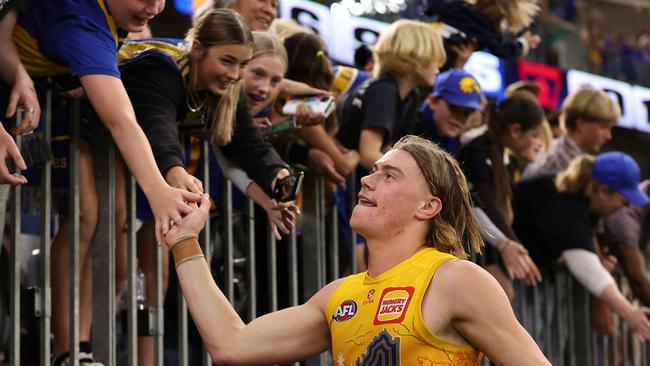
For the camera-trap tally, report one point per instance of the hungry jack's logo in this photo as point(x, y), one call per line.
point(393, 305)
point(346, 311)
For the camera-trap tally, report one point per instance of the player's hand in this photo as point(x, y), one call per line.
point(192, 223)
point(169, 205)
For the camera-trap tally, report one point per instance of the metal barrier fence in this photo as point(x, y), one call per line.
point(555, 313)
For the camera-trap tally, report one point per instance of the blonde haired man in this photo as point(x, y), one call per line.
point(418, 302)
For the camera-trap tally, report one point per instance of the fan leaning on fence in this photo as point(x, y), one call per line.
point(418, 299)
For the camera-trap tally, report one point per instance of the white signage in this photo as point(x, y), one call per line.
point(342, 32)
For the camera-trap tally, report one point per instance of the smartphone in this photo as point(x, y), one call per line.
point(287, 188)
point(279, 128)
point(322, 105)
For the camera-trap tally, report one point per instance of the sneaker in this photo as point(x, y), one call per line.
point(85, 357)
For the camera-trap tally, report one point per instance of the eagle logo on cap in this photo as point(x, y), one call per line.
point(469, 85)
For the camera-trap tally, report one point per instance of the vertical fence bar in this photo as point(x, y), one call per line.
point(159, 334)
point(103, 253)
point(626, 353)
point(14, 265)
point(333, 228)
point(322, 247)
point(571, 322)
point(548, 311)
point(352, 201)
point(132, 253)
point(206, 233)
point(293, 268)
point(560, 318)
point(272, 279)
point(251, 262)
point(310, 254)
point(229, 253)
point(183, 350)
point(74, 233)
point(46, 230)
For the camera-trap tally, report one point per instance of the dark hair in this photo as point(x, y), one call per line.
point(362, 55)
point(521, 109)
point(308, 63)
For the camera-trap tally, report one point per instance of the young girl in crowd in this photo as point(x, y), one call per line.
point(380, 111)
point(515, 125)
point(171, 81)
point(262, 78)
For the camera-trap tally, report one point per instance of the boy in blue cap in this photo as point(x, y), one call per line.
point(453, 107)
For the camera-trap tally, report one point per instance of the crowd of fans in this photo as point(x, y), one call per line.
point(603, 48)
point(538, 199)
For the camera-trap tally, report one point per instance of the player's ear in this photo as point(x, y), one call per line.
point(429, 208)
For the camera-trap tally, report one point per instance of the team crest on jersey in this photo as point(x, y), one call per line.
point(383, 350)
point(346, 311)
point(393, 304)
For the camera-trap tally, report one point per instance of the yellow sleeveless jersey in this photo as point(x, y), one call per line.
point(378, 321)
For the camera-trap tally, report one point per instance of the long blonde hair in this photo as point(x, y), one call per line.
point(576, 178)
point(406, 46)
point(455, 226)
point(217, 27)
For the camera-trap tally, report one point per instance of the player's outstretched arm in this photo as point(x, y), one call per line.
point(481, 313)
point(281, 337)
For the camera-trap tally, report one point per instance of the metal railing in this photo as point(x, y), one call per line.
point(556, 313)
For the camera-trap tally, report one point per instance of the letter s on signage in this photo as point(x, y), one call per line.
point(486, 68)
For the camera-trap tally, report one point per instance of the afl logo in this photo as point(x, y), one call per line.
point(345, 311)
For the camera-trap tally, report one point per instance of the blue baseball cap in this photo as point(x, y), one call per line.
point(621, 173)
point(458, 88)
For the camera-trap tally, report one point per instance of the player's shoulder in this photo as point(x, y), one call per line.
point(455, 274)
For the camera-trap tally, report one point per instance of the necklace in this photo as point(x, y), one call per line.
point(192, 104)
